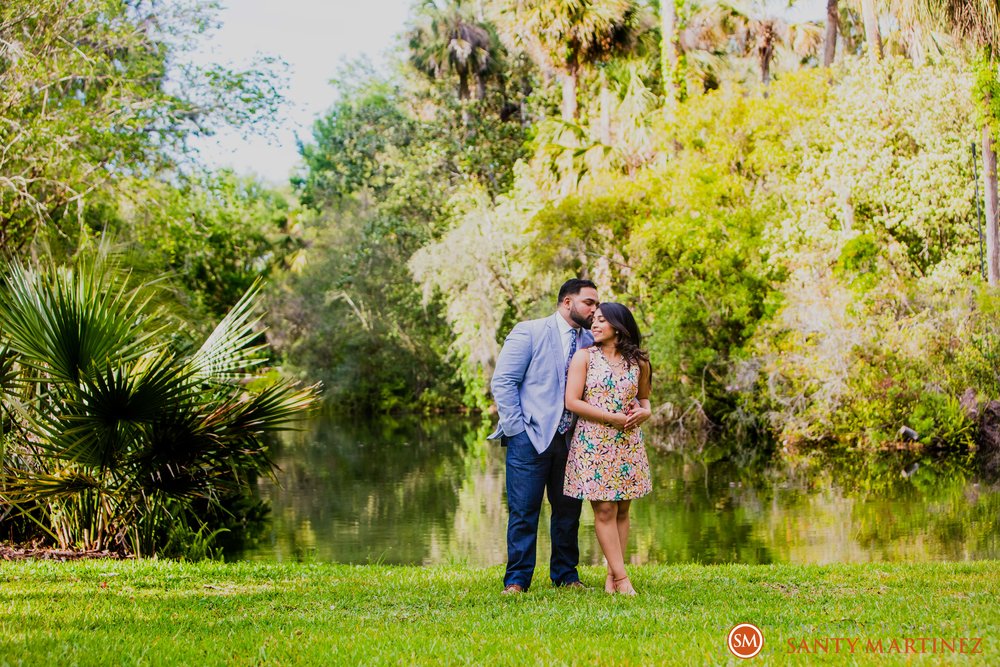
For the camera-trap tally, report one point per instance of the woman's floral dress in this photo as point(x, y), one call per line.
point(605, 463)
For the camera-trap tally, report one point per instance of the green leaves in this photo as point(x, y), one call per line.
point(64, 320)
point(116, 432)
point(228, 352)
point(88, 103)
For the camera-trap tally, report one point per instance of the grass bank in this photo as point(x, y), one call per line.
point(165, 613)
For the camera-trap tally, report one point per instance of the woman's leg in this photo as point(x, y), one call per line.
point(606, 526)
point(622, 526)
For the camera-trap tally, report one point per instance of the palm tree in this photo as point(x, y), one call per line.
point(450, 40)
point(564, 36)
point(873, 34)
point(668, 53)
point(830, 40)
point(975, 23)
point(115, 438)
point(743, 28)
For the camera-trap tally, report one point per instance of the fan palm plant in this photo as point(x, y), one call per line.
point(114, 438)
point(565, 36)
point(447, 39)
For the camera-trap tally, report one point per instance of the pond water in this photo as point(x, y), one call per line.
point(428, 491)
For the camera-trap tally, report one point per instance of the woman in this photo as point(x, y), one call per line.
point(607, 461)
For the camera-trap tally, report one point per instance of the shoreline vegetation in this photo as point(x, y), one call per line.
point(91, 612)
point(803, 245)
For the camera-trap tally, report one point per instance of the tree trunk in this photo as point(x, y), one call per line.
point(832, 24)
point(569, 95)
point(915, 48)
point(480, 86)
point(463, 86)
point(990, 194)
point(765, 50)
point(872, 34)
point(605, 127)
point(668, 50)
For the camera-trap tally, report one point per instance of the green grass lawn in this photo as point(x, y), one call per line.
point(154, 612)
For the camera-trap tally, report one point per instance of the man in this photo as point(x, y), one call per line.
point(529, 386)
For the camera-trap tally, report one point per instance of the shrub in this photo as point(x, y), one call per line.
point(119, 441)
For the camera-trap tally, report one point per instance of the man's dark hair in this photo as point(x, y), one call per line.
point(573, 286)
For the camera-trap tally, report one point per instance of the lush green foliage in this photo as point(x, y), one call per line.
point(378, 181)
point(88, 102)
point(215, 234)
point(800, 244)
point(341, 614)
point(799, 259)
point(117, 429)
point(113, 439)
point(880, 245)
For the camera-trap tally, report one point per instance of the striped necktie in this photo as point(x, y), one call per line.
point(567, 416)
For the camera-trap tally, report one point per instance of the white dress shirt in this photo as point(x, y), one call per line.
point(566, 333)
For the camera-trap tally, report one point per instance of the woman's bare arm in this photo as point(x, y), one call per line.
point(576, 381)
point(644, 411)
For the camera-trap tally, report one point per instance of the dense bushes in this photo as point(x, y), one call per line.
point(805, 263)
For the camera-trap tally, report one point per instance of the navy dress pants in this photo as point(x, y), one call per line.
point(529, 476)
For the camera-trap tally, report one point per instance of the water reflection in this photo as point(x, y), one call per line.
point(420, 490)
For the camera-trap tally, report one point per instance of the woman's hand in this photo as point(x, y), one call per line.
point(636, 415)
point(617, 420)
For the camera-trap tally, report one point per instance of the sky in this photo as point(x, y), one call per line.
point(314, 38)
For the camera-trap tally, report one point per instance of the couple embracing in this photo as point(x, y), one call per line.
point(571, 390)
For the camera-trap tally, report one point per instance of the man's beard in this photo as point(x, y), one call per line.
point(575, 315)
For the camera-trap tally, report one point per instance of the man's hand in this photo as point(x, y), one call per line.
point(636, 415)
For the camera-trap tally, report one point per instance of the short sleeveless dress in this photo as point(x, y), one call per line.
point(605, 463)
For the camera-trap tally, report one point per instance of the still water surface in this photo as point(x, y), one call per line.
point(428, 491)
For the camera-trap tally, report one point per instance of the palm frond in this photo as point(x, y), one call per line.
point(63, 320)
point(7, 373)
point(99, 423)
point(273, 409)
point(227, 353)
point(115, 432)
point(973, 21)
point(18, 487)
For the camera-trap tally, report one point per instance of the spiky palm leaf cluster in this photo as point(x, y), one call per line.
point(449, 39)
point(717, 35)
point(112, 435)
point(562, 35)
point(976, 22)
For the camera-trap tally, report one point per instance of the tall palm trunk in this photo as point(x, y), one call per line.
point(569, 80)
point(463, 85)
point(832, 24)
point(990, 193)
point(668, 51)
point(605, 126)
point(872, 32)
point(765, 50)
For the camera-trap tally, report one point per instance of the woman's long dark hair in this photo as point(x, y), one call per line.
point(629, 339)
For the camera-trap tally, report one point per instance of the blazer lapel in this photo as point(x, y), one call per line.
point(557, 357)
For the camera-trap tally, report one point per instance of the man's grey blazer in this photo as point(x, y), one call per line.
point(529, 384)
